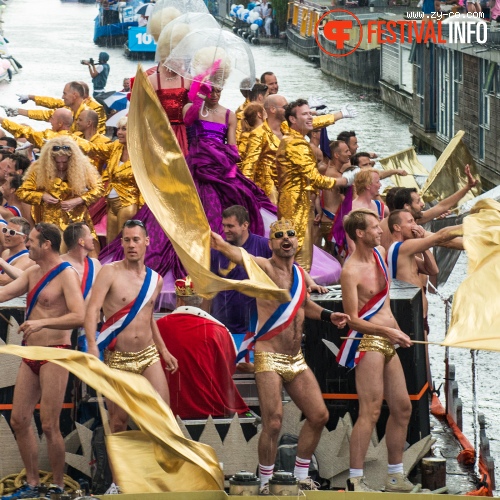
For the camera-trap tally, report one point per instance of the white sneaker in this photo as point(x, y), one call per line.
point(113, 489)
point(264, 490)
point(398, 483)
point(358, 484)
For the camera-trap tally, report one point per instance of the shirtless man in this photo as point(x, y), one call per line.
point(80, 242)
point(379, 374)
point(409, 199)
point(278, 358)
point(53, 308)
point(409, 240)
point(367, 186)
point(15, 234)
point(134, 344)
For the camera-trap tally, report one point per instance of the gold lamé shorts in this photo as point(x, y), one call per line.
point(372, 343)
point(325, 228)
point(135, 362)
point(285, 365)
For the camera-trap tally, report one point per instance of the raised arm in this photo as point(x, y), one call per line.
point(425, 240)
point(449, 202)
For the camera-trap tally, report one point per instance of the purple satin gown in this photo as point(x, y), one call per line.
point(220, 184)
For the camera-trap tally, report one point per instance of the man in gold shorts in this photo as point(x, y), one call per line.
point(277, 334)
point(379, 374)
point(129, 339)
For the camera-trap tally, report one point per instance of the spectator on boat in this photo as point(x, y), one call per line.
point(379, 374)
point(8, 145)
point(279, 361)
point(61, 185)
point(267, 14)
point(126, 85)
point(15, 234)
point(206, 353)
point(269, 78)
point(15, 164)
point(349, 137)
point(298, 175)
point(61, 121)
point(11, 201)
point(99, 72)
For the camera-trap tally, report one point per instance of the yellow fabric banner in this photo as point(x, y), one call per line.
point(167, 186)
point(157, 458)
point(406, 160)
point(475, 322)
point(448, 174)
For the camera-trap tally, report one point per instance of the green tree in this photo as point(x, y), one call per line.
point(280, 7)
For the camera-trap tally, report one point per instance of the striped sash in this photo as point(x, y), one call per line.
point(392, 259)
point(122, 318)
point(13, 258)
point(279, 320)
point(35, 292)
point(348, 355)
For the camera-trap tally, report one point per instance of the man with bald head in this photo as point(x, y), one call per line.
point(61, 121)
point(74, 97)
point(87, 124)
point(263, 142)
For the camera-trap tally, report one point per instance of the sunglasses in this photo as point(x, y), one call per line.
point(279, 234)
point(133, 223)
point(11, 232)
point(59, 148)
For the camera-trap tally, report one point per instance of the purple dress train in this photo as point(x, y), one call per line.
point(220, 185)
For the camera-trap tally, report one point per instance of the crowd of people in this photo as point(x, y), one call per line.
point(264, 157)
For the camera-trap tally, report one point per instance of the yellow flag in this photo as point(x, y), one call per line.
point(157, 458)
point(448, 174)
point(406, 160)
point(165, 182)
point(475, 322)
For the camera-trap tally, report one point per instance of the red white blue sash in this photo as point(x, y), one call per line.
point(13, 258)
point(380, 208)
point(348, 354)
point(88, 276)
point(35, 292)
point(122, 318)
point(392, 259)
point(279, 320)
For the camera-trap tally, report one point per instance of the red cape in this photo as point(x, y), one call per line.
point(203, 384)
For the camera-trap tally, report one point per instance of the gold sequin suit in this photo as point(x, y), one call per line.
point(37, 138)
point(46, 212)
point(98, 163)
point(53, 103)
point(239, 116)
point(259, 164)
point(298, 179)
point(118, 177)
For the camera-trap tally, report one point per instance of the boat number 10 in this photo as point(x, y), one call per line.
point(144, 38)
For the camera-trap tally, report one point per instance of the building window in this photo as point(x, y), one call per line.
point(445, 93)
point(484, 106)
point(458, 78)
point(417, 55)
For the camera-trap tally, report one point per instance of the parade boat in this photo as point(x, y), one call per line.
point(140, 44)
point(300, 33)
point(112, 23)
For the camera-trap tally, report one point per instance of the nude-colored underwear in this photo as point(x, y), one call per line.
point(373, 343)
point(285, 365)
point(135, 362)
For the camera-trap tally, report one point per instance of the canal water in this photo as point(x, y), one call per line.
point(50, 38)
